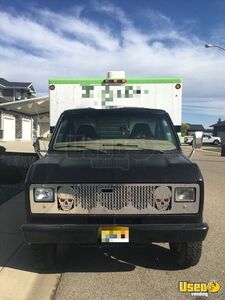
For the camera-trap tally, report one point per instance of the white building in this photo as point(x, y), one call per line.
point(22, 115)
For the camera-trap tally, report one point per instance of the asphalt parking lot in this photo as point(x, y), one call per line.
point(116, 273)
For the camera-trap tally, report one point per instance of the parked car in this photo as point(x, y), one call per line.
point(207, 139)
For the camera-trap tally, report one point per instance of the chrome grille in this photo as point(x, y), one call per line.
point(114, 196)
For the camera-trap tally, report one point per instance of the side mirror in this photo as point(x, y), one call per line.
point(36, 145)
point(197, 142)
point(39, 147)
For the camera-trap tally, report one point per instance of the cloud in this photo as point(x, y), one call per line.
point(205, 106)
point(74, 44)
point(81, 29)
point(112, 11)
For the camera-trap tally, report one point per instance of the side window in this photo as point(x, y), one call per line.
point(159, 132)
point(61, 132)
point(66, 132)
point(168, 134)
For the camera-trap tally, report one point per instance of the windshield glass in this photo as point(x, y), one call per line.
point(103, 130)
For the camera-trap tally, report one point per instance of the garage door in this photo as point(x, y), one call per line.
point(26, 129)
point(222, 135)
point(9, 128)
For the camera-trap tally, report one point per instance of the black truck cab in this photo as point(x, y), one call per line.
point(115, 176)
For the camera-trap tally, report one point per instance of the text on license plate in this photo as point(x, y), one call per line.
point(114, 234)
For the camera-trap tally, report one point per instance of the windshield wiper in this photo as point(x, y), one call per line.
point(154, 150)
point(80, 147)
point(121, 145)
point(135, 146)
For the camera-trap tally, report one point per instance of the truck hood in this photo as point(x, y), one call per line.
point(116, 168)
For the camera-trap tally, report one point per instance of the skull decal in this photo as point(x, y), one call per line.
point(162, 198)
point(66, 198)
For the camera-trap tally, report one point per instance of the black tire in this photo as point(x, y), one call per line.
point(216, 142)
point(44, 255)
point(186, 254)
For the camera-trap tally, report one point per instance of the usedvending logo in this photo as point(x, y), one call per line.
point(199, 289)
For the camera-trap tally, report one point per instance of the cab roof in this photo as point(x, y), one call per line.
point(122, 109)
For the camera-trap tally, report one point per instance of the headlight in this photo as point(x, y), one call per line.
point(185, 194)
point(43, 195)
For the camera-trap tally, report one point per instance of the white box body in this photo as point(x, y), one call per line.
point(161, 93)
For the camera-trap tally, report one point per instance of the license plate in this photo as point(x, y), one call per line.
point(114, 234)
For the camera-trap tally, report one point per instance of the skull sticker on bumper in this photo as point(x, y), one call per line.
point(162, 198)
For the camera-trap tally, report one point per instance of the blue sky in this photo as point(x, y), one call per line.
point(43, 39)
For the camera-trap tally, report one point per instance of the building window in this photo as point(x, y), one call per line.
point(8, 93)
point(18, 95)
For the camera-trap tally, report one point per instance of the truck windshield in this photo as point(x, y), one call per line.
point(104, 130)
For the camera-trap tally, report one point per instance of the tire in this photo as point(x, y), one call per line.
point(186, 254)
point(44, 255)
point(216, 142)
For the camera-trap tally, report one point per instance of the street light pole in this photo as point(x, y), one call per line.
point(214, 46)
point(220, 48)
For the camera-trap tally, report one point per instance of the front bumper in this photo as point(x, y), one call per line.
point(89, 234)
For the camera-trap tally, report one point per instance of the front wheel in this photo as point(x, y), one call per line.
point(44, 255)
point(186, 254)
point(216, 142)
